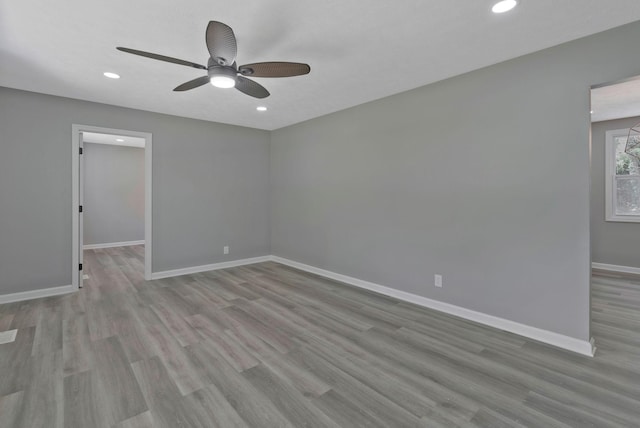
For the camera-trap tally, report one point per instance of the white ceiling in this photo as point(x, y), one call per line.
point(616, 101)
point(92, 137)
point(358, 50)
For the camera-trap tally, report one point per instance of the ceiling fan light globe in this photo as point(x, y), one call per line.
point(222, 76)
point(223, 82)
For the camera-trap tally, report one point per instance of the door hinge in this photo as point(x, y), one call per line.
point(80, 210)
point(80, 266)
point(80, 150)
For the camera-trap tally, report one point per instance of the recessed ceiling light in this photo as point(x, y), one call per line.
point(591, 112)
point(504, 6)
point(111, 75)
point(119, 140)
point(261, 108)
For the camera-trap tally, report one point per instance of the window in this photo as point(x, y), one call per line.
point(622, 170)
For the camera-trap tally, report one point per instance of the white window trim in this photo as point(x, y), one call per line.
point(609, 172)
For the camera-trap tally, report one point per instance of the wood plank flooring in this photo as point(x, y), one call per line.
point(269, 346)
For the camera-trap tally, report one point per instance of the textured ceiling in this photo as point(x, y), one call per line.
point(616, 101)
point(358, 50)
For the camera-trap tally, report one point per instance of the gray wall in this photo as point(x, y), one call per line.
point(483, 178)
point(113, 193)
point(210, 185)
point(612, 243)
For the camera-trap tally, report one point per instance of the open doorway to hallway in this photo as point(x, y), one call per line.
point(111, 200)
point(113, 203)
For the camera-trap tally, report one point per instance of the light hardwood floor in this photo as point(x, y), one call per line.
point(269, 346)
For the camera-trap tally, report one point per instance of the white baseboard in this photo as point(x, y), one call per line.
point(112, 245)
point(36, 294)
point(583, 347)
point(616, 268)
point(205, 268)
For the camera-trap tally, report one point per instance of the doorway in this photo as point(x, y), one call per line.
point(94, 135)
point(615, 213)
point(615, 176)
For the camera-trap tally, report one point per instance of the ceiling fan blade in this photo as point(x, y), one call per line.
point(191, 84)
point(221, 43)
point(274, 69)
point(251, 88)
point(162, 58)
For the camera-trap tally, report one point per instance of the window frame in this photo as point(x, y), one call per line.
point(610, 179)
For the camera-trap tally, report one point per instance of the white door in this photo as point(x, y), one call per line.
point(81, 211)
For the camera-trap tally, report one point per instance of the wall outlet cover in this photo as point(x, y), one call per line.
point(437, 280)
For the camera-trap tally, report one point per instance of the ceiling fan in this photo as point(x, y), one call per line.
point(222, 70)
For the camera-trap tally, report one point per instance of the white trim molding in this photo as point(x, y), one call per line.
point(112, 245)
point(584, 347)
point(205, 268)
point(616, 268)
point(37, 294)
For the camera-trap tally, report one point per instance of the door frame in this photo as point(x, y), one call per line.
point(76, 160)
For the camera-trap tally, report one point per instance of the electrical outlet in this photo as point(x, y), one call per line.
point(437, 280)
point(226, 249)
